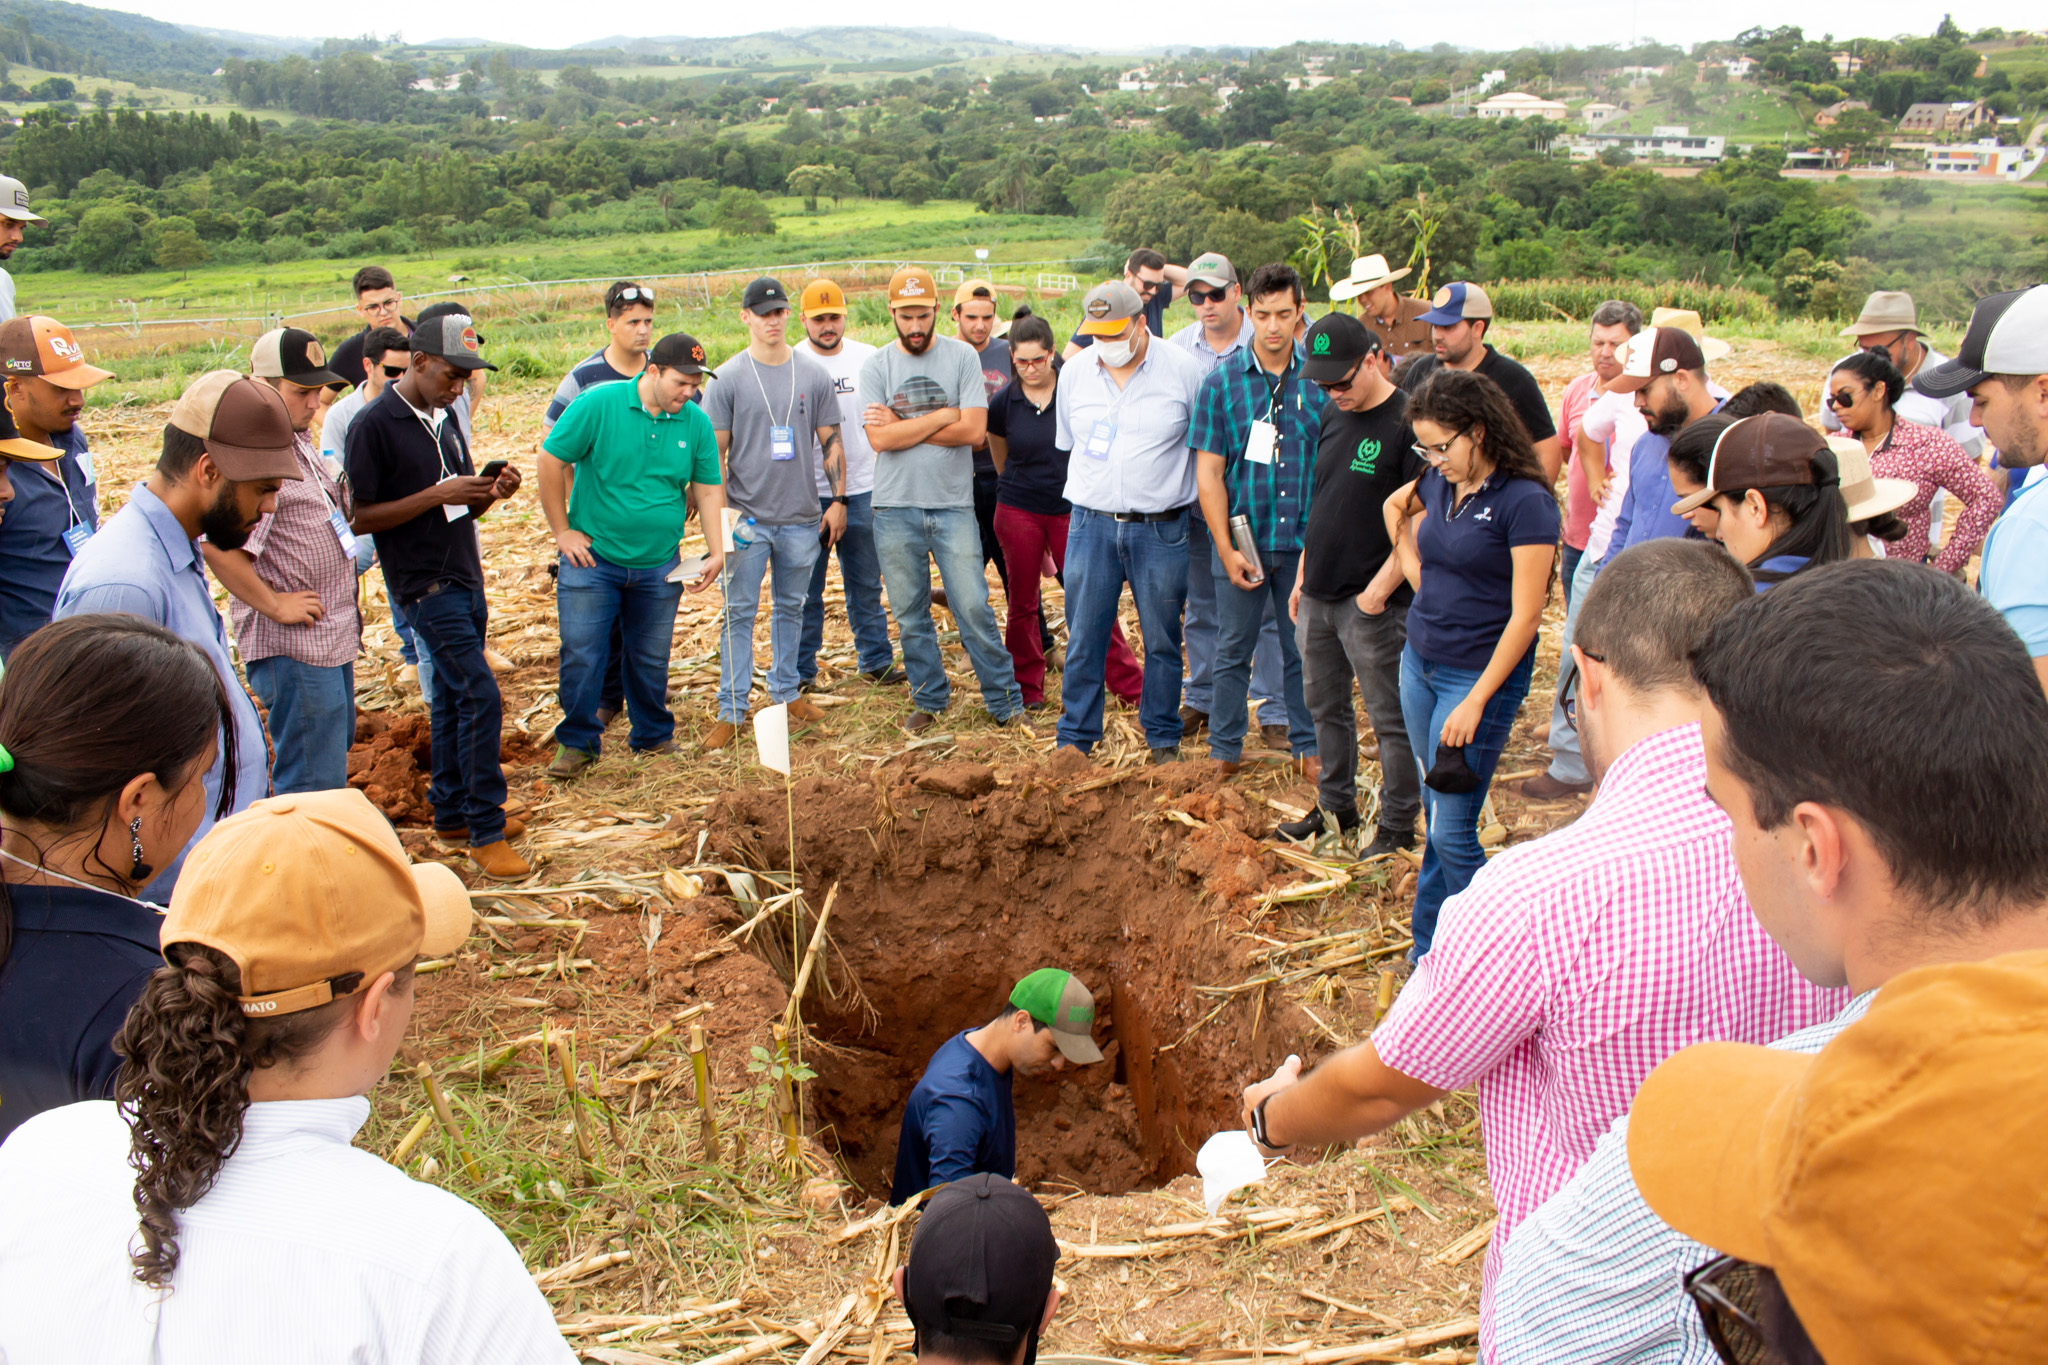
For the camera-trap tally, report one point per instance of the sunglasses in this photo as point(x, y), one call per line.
point(1149, 287)
point(1198, 297)
point(392, 371)
point(1746, 1315)
point(633, 292)
point(1842, 398)
point(1029, 362)
point(1338, 386)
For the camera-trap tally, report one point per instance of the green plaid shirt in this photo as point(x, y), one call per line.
point(1275, 496)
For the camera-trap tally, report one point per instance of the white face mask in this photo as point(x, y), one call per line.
point(1116, 354)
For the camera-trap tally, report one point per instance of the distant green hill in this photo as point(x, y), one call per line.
point(63, 37)
point(856, 44)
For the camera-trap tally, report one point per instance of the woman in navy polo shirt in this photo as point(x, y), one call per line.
point(108, 725)
point(1475, 536)
point(1032, 509)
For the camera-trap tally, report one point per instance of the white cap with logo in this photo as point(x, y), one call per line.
point(14, 201)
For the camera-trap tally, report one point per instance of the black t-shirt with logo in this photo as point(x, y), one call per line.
point(1361, 459)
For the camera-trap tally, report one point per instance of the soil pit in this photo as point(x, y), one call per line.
point(392, 762)
point(954, 881)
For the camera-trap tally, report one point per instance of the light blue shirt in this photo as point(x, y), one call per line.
point(142, 562)
point(2014, 574)
point(1149, 466)
point(1191, 340)
point(1594, 1275)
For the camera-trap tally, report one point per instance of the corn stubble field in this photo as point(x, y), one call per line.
point(724, 1205)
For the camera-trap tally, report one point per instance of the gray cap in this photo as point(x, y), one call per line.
point(14, 201)
point(1108, 308)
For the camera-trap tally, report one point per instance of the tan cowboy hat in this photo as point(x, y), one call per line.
point(1867, 495)
point(1367, 272)
point(1688, 321)
point(1888, 310)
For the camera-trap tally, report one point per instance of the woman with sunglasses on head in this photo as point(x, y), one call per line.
point(1476, 536)
point(1863, 392)
point(108, 725)
point(1032, 511)
point(1773, 488)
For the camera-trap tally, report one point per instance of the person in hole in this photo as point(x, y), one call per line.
point(959, 1120)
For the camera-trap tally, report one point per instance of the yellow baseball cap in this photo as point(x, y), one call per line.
point(973, 289)
point(1896, 1182)
point(912, 287)
point(299, 890)
point(823, 296)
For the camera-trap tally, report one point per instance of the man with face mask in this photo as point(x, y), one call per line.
point(959, 1120)
point(227, 450)
point(55, 507)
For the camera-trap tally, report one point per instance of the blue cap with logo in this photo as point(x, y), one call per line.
point(1456, 303)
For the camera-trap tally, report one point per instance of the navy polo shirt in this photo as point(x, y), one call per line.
point(78, 961)
point(33, 556)
point(1468, 568)
point(392, 455)
point(957, 1122)
point(1035, 470)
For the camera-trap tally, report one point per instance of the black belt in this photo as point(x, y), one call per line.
point(1149, 516)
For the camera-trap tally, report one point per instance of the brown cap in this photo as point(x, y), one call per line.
point(15, 446)
point(1655, 352)
point(35, 345)
point(912, 287)
point(1896, 1182)
point(1769, 450)
point(301, 889)
point(245, 425)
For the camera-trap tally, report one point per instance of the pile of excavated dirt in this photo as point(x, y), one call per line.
point(392, 762)
point(954, 881)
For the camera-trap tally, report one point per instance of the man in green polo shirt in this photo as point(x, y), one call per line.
point(638, 448)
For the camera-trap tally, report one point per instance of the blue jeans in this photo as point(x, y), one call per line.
point(1452, 857)
point(468, 786)
point(1567, 763)
point(860, 573)
point(789, 551)
point(1103, 554)
point(910, 539)
point(1242, 614)
point(312, 721)
point(1201, 623)
point(408, 643)
point(597, 606)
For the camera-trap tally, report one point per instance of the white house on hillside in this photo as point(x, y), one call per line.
point(1518, 104)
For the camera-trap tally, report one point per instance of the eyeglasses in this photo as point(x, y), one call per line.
point(1346, 382)
point(1571, 696)
point(1842, 398)
point(1029, 362)
point(1198, 297)
point(392, 371)
point(1435, 453)
point(632, 292)
point(389, 305)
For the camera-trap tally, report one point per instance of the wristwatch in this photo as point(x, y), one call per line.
point(838, 498)
point(1259, 1133)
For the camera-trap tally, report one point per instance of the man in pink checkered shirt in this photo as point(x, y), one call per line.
point(1573, 965)
point(294, 587)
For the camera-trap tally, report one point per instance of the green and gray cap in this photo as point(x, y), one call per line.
point(1058, 1000)
point(1214, 269)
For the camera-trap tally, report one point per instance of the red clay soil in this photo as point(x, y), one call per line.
point(392, 760)
point(954, 882)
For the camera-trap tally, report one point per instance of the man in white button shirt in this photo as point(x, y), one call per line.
point(291, 951)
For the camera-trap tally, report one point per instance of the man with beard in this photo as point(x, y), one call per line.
point(14, 211)
point(55, 506)
point(2003, 366)
point(1459, 318)
point(226, 452)
point(959, 1120)
point(925, 408)
point(1665, 367)
point(418, 493)
point(293, 585)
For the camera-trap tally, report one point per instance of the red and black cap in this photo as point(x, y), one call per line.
point(681, 351)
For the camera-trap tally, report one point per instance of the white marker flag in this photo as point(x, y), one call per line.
point(771, 737)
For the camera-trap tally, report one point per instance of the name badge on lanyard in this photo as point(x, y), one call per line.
point(342, 533)
point(782, 443)
point(85, 466)
point(75, 537)
point(1099, 440)
point(1264, 442)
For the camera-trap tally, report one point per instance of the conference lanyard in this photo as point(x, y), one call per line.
point(781, 436)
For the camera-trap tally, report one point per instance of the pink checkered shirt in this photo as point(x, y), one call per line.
point(1573, 965)
point(296, 550)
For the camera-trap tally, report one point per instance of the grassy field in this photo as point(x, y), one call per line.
point(154, 97)
point(1741, 113)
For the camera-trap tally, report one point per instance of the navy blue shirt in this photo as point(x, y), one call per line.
point(957, 1122)
point(33, 556)
point(1035, 468)
point(78, 961)
point(1468, 568)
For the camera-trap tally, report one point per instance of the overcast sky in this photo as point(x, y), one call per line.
point(1087, 23)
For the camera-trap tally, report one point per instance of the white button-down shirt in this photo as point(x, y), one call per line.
point(305, 1250)
point(1149, 466)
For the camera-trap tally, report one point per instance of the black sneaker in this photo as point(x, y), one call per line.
point(1386, 841)
point(1166, 755)
point(1310, 827)
point(891, 676)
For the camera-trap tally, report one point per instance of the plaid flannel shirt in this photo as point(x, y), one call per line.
point(1237, 393)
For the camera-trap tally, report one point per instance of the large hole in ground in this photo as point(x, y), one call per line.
point(951, 887)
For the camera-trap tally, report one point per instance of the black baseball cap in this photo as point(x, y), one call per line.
point(292, 353)
point(448, 310)
point(1335, 343)
point(680, 351)
point(452, 336)
point(981, 1264)
point(764, 296)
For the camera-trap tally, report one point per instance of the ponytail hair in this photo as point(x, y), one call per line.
point(1028, 326)
point(187, 1054)
point(1819, 532)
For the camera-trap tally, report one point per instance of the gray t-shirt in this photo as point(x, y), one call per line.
point(750, 400)
point(948, 375)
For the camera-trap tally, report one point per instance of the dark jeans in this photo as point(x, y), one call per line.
point(468, 786)
point(312, 721)
point(1103, 554)
point(1338, 642)
point(600, 607)
point(1452, 856)
point(860, 573)
point(1242, 615)
point(1200, 627)
point(1567, 565)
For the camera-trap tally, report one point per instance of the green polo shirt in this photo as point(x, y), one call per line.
point(633, 472)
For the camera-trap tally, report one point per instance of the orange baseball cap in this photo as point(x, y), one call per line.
point(35, 345)
point(302, 889)
point(912, 287)
point(1896, 1182)
point(823, 296)
point(974, 289)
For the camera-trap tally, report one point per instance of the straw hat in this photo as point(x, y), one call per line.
point(1367, 272)
point(1686, 320)
point(1867, 495)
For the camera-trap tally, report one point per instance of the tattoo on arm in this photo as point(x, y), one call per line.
point(835, 460)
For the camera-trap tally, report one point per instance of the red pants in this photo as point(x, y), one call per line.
point(1027, 538)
